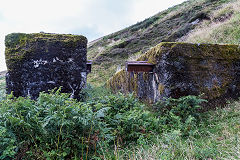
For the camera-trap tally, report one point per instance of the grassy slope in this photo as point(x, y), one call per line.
point(110, 52)
point(217, 138)
point(224, 27)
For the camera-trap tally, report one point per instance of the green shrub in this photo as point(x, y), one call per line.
point(144, 24)
point(180, 114)
point(54, 126)
point(7, 144)
point(127, 118)
point(91, 93)
point(58, 127)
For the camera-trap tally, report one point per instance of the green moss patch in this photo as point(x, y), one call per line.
point(21, 46)
point(185, 68)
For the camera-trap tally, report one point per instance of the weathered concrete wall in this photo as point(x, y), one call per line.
point(184, 69)
point(39, 62)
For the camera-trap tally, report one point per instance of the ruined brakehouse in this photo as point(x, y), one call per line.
point(181, 69)
point(41, 61)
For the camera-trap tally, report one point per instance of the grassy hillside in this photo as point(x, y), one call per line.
point(110, 52)
point(224, 27)
point(217, 138)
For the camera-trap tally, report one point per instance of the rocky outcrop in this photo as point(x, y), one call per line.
point(184, 69)
point(40, 62)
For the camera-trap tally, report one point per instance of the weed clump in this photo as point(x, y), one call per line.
point(181, 114)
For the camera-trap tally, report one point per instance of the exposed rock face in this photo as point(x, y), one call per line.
point(40, 62)
point(185, 69)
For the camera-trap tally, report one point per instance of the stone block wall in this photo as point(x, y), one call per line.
point(40, 62)
point(184, 69)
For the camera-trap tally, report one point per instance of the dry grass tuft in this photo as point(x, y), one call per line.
point(223, 27)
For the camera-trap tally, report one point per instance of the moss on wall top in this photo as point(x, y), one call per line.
point(20, 46)
point(185, 68)
point(13, 39)
point(190, 50)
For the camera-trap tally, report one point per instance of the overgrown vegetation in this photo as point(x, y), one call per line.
point(216, 137)
point(114, 126)
point(57, 127)
point(109, 126)
point(181, 114)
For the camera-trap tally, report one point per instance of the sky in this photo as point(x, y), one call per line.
point(91, 18)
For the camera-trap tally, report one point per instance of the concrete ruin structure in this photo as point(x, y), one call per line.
point(182, 69)
point(41, 61)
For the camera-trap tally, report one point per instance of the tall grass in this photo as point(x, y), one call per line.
point(223, 28)
point(218, 137)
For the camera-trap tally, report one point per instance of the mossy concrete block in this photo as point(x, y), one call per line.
point(185, 69)
point(41, 61)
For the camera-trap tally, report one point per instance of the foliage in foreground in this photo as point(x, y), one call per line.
point(217, 137)
point(57, 127)
point(181, 114)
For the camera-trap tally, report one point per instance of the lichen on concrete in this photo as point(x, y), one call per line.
point(188, 69)
point(35, 60)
